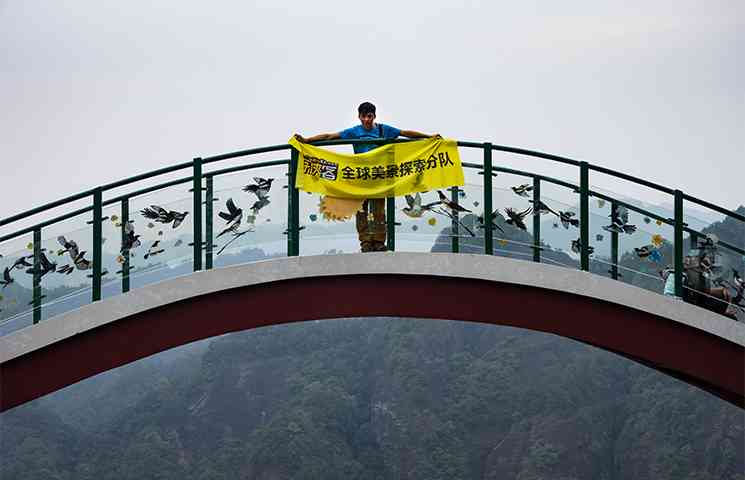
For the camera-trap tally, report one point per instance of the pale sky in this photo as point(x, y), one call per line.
point(92, 91)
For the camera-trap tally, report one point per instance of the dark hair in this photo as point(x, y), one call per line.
point(365, 108)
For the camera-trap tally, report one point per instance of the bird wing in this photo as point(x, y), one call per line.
point(6, 275)
point(46, 265)
point(159, 210)
point(410, 200)
point(178, 219)
point(543, 205)
point(232, 208)
point(149, 213)
point(525, 212)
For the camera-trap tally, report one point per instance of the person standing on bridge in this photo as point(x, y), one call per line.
point(371, 218)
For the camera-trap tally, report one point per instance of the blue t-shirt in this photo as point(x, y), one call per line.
point(360, 132)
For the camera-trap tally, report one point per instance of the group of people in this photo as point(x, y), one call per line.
point(699, 284)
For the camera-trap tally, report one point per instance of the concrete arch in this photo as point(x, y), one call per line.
point(695, 345)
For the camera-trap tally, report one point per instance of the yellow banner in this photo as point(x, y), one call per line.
point(388, 171)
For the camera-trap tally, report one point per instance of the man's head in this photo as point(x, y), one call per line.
point(366, 112)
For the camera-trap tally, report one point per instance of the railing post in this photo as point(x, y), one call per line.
point(614, 244)
point(37, 275)
point(488, 240)
point(536, 219)
point(678, 243)
point(390, 223)
point(125, 263)
point(197, 195)
point(97, 243)
point(584, 215)
point(454, 240)
point(208, 212)
point(293, 207)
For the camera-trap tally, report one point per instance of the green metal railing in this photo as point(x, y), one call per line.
point(202, 191)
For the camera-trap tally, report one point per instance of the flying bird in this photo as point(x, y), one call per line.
point(516, 218)
point(577, 247)
point(522, 190)
point(493, 220)
point(260, 188)
point(567, 218)
point(541, 208)
point(620, 222)
point(414, 207)
point(161, 215)
point(234, 214)
point(43, 267)
point(613, 228)
point(21, 262)
point(454, 207)
point(234, 217)
point(129, 240)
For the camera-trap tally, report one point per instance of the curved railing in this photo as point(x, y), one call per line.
point(203, 173)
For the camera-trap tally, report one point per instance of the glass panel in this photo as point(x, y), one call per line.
point(16, 292)
point(264, 216)
point(321, 235)
point(69, 287)
point(427, 230)
point(162, 223)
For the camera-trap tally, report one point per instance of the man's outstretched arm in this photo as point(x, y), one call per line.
point(415, 134)
point(318, 138)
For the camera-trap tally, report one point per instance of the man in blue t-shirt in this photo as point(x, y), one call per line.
point(371, 219)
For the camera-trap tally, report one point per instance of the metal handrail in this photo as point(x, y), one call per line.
point(487, 168)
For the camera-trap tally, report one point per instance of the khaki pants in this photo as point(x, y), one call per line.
point(371, 225)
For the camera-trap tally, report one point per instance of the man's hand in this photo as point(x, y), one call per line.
point(300, 138)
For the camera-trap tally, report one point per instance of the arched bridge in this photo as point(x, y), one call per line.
point(695, 345)
point(74, 304)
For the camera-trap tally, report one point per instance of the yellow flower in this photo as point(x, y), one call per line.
point(114, 218)
point(657, 240)
point(659, 223)
point(30, 246)
point(502, 242)
point(432, 221)
point(120, 259)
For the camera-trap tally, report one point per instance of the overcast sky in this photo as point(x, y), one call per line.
point(96, 90)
